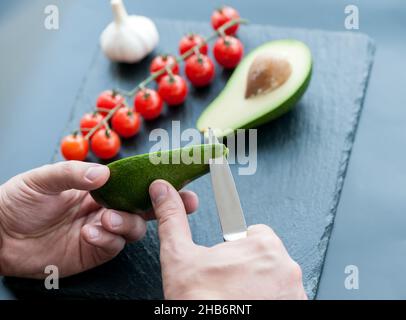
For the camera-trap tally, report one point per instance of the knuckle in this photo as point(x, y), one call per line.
point(267, 241)
point(295, 271)
point(45, 167)
point(277, 242)
point(260, 228)
point(168, 209)
point(169, 205)
point(33, 178)
point(114, 247)
point(66, 168)
point(138, 230)
point(263, 227)
point(263, 243)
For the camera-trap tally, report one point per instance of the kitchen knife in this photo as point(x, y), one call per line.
point(227, 200)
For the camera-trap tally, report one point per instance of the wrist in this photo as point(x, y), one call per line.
point(196, 294)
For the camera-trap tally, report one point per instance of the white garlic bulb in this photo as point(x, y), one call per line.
point(128, 38)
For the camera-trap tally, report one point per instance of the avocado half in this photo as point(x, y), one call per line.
point(238, 107)
point(127, 188)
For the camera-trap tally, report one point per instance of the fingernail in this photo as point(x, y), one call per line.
point(116, 220)
point(95, 172)
point(158, 192)
point(93, 232)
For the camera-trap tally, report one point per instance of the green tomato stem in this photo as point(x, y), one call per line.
point(153, 76)
point(104, 122)
point(187, 54)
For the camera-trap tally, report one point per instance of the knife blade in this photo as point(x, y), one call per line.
point(227, 199)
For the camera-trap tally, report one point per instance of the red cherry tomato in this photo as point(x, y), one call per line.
point(160, 62)
point(89, 121)
point(105, 144)
point(108, 100)
point(222, 16)
point(199, 70)
point(126, 122)
point(173, 89)
point(191, 40)
point(148, 103)
point(74, 147)
point(228, 51)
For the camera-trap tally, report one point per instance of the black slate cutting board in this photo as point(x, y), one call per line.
point(302, 159)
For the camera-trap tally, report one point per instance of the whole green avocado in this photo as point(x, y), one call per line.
point(127, 188)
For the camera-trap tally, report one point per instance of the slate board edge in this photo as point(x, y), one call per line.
point(350, 138)
point(343, 163)
point(75, 104)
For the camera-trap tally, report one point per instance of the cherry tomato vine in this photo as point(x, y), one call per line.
point(104, 142)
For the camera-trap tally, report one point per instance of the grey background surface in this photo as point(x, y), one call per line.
point(370, 223)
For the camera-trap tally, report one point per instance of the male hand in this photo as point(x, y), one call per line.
point(257, 267)
point(47, 217)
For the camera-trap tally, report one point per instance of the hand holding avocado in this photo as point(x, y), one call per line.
point(47, 217)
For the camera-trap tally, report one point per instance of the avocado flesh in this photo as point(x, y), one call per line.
point(127, 188)
point(231, 110)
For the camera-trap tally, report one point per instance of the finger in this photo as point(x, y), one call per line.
point(109, 244)
point(190, 201)
point(259, 229)
point(173, 226)
point(66, 175)
point(131, 226)
point(88, 205)
point(265, 235)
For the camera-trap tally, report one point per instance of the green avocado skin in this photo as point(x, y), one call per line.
point(287, 106)
point(274, 113)
point(128, 186)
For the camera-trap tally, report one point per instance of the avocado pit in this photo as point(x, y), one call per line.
point(266, 74)
point(265, 85)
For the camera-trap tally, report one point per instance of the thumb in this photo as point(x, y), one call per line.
point(66, 175)
point(173, 226)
